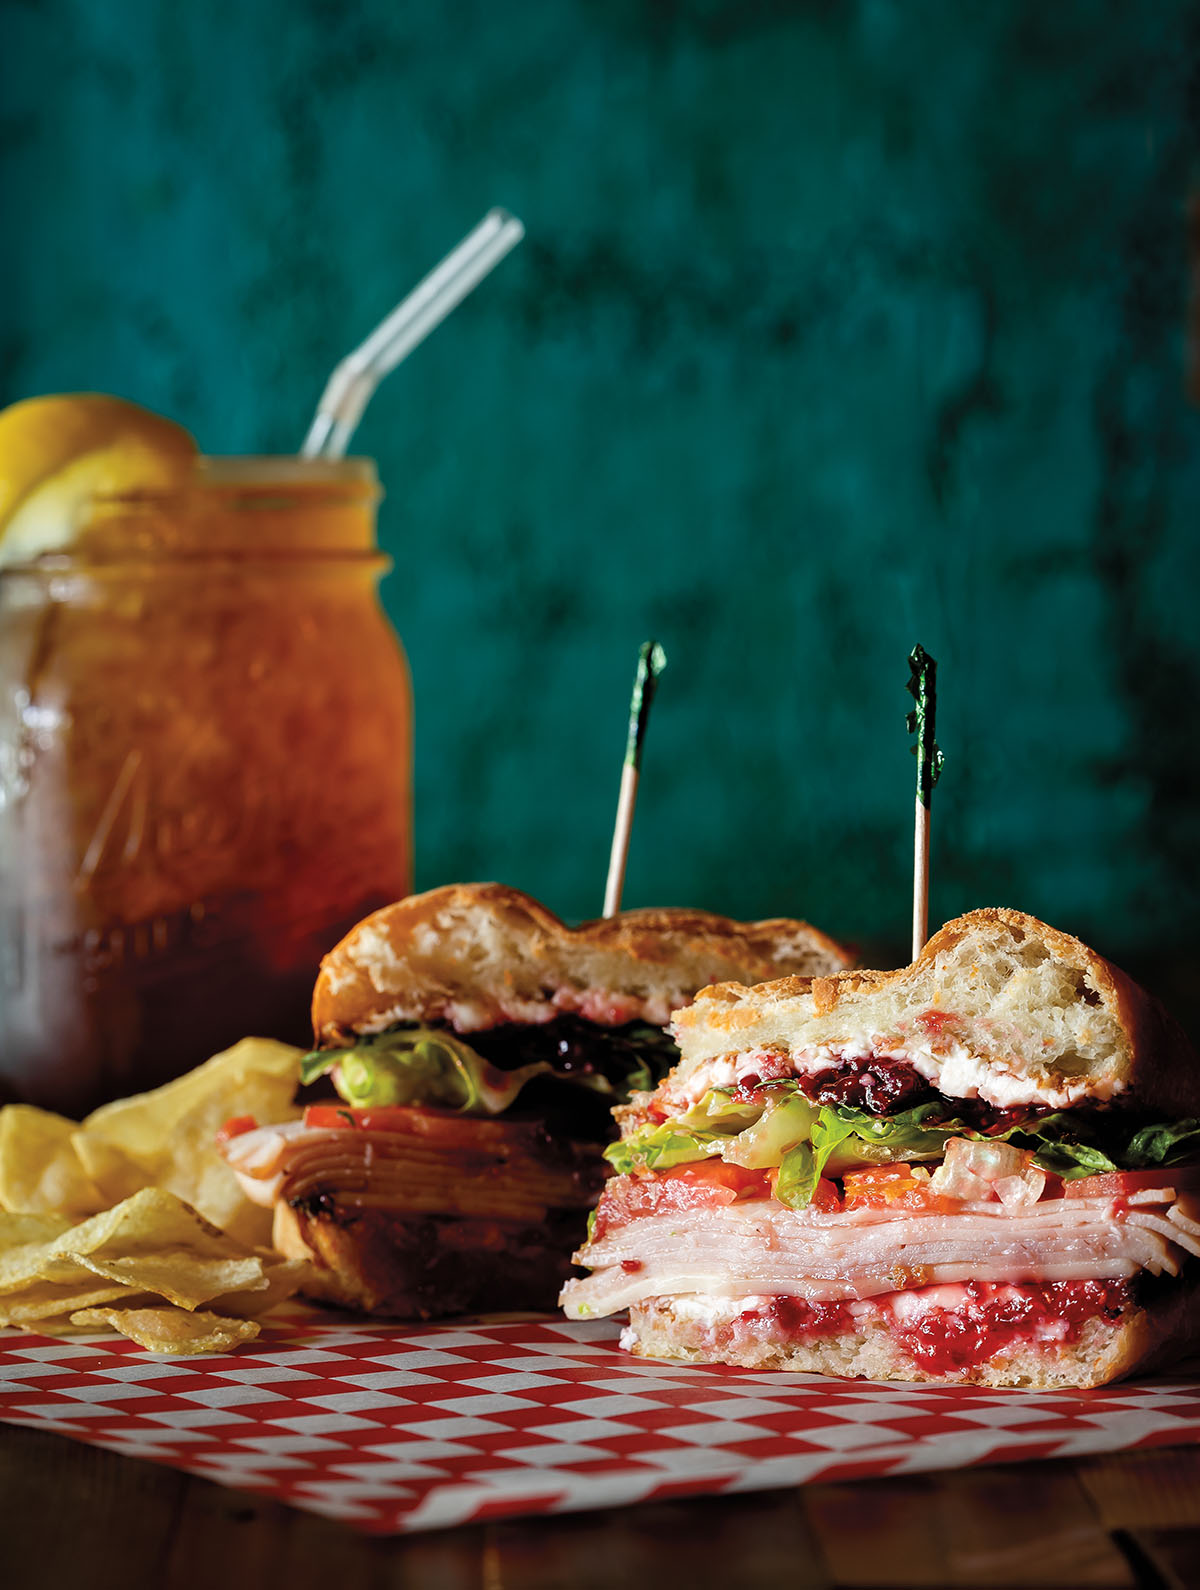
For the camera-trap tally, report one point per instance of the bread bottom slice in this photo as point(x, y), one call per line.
point(1143, 1337)
point(423, 1267)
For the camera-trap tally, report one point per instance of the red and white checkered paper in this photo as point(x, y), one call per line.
point(394, 1428)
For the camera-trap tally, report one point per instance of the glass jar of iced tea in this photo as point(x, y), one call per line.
point(205, 772)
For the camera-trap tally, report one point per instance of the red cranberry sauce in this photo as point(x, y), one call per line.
point(784, 1319)
point(995, 1317)
point(988, 1319)
point(879, 1084)
point(882, 1084)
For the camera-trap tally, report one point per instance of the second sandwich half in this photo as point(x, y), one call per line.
point(472, 1047)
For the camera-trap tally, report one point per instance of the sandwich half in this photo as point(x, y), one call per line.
point(474, 1047)
point(984, 1167)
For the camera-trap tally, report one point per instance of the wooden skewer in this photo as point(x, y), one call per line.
point(619, 854)
point(922, 721)
point(651, 662)
point(920, 921)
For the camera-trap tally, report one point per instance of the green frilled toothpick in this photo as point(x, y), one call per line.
point(922, 721)
point(652, 659)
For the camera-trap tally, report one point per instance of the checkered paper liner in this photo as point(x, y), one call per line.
point(393, 1428)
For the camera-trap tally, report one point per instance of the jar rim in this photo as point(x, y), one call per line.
point(278, 507)
point(252, 473)
point(279, 469)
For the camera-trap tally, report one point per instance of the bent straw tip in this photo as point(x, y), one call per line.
point(498, 216)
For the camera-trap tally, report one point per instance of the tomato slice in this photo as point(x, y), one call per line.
point(397, 1118)
point(708, 1184)
point(235, 1126)
point(715, 1174)
point(899, 1186)
point(825, 1197)
point(446, 1128)
point(329, 1117)
point(1121, 1183)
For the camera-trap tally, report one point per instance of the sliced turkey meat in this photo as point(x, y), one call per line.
point(758, 1247)
point(497, 1169)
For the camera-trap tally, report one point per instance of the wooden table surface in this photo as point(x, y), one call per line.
point(74, 1516)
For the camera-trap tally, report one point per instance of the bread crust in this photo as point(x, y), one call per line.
point(1163, 1070)
point(1154, 1067)
point(471, 955)
point(1146, 1338)
point(427, 1266)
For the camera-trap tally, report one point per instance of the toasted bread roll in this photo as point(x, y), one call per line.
point(474, 955)
point(998, 1004)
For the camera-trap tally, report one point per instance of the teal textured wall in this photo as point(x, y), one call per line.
point(838, 326)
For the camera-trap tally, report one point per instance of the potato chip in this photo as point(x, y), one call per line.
point(167, 1138)
point(153, 1242)
point(102, 1213)
point(170, 1330)
point(50, 1298)
point(40, 1170)
point(110, 1169)
point(56, 1325)
point(18, 1230)
point(150, 1243)
point(284, 1279)
point(25, 1243)
point(180, 1278)
point(60, 1324)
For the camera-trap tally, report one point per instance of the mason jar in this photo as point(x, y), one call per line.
point(205, 772)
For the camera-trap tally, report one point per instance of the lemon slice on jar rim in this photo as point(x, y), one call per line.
point(57, 452)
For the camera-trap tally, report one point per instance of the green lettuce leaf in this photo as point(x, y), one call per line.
point(798, 1177)
point(808, 1141)
point(850, 1139)
point(699, 1133)
point(662, 1148)
point(844, 1139)
point(912, 1136)
point(718, 1111)
point(422, 1066)
point(433, 1067)
point(786, 1123)
point(1072, 1160)
point(1056, 1147)
point(1163, 1145)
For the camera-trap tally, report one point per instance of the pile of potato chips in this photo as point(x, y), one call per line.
point(131, 1220)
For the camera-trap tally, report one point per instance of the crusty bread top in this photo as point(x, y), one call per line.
point(476, 954)
point(1038, 1009)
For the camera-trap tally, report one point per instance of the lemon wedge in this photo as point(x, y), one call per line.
point(56, 452)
